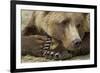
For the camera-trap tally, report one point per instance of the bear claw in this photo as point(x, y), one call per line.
point(56, 55)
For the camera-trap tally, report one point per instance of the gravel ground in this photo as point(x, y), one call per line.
point(41, 59)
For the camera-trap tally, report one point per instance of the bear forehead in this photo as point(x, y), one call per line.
point(65, 14)
point(61, 16)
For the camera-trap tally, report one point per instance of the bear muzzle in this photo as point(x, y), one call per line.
point(76, 43)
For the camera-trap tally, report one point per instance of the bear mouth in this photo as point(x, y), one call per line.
point(71, 47)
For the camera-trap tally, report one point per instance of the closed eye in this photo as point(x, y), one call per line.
point(78, 25)
point(65, 22)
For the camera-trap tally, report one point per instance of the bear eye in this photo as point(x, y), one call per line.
point(78, 25)
point(65, 22)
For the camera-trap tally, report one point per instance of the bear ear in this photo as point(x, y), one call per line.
point(87, 22)
point(86, 15)
point(46, 13)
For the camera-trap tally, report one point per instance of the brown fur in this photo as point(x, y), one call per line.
point(62, 27)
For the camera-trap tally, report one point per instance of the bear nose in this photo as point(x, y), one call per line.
point(76, 43)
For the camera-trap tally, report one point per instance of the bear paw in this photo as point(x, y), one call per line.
point(56, 55)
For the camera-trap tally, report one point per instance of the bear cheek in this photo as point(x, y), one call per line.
point(55, 32)
point(81, 32)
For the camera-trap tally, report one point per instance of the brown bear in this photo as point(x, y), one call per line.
point(69, 32)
